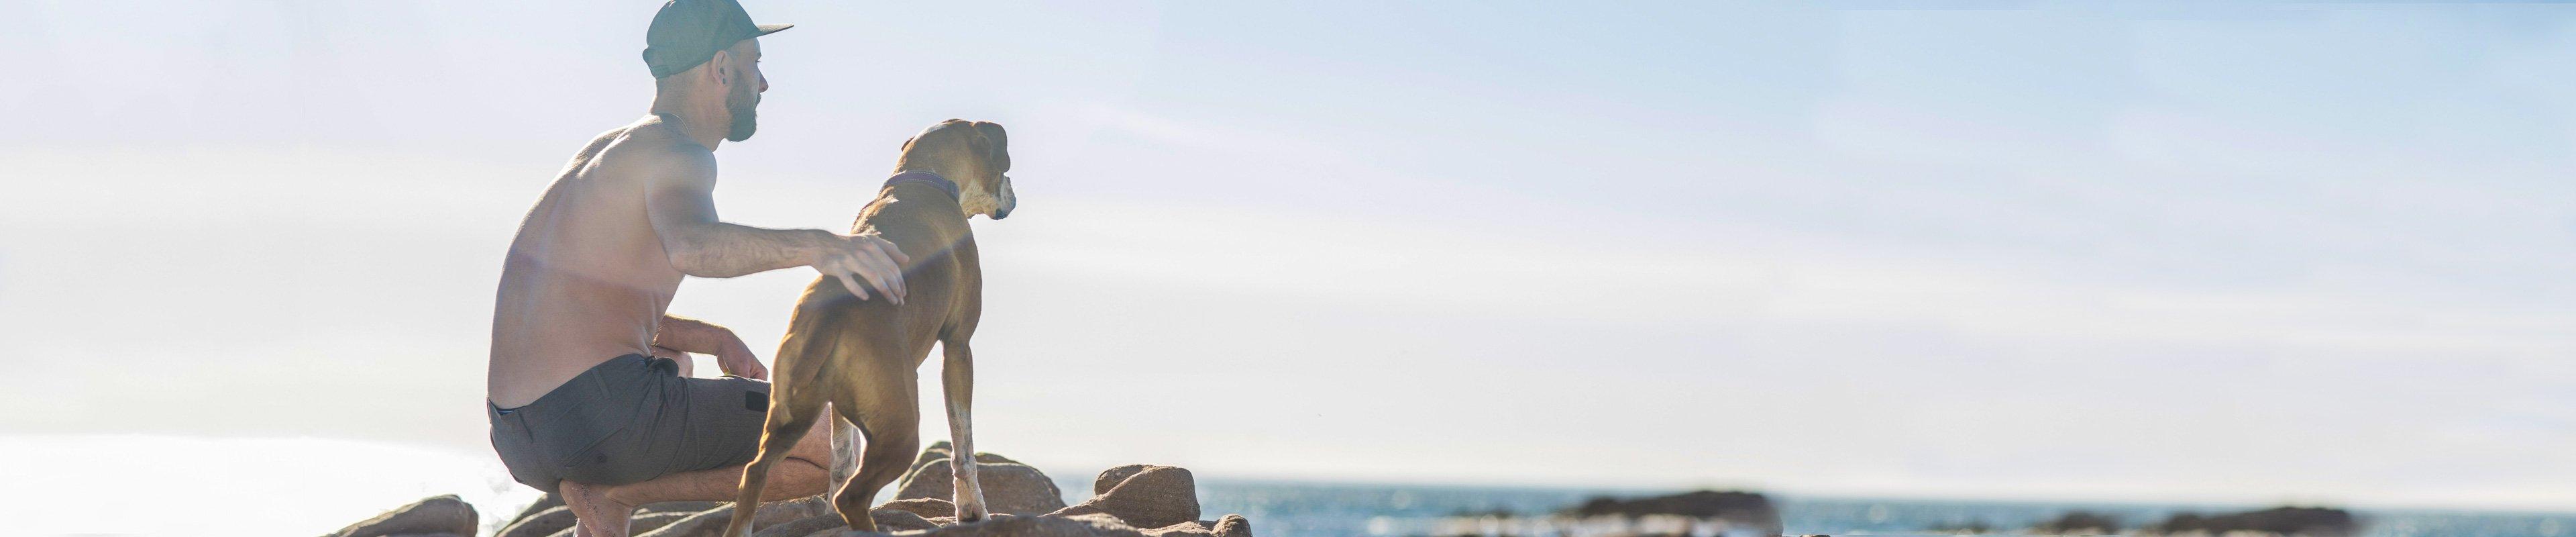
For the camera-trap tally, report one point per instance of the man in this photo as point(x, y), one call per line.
point(589, 385)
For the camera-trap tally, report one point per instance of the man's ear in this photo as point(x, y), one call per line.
point(720, 68)
point(997, 144)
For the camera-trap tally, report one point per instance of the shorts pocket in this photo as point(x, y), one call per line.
point(595, 461)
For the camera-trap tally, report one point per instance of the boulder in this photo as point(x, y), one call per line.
point(1142, 495)
point(712, 522)
point(925, 507)
point(803, 527)
point(892, 520)
point(647, 522)
point(548, 501)
point(679, 507)
point(1039, 526)
point(540, 524)
point(1233, 526)
point(1746, 508)
point(1230, 526)
point(1009, 487)
point(435, 514)
point(2309, 521)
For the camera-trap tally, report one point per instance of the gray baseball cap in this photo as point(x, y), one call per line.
point(689, 32)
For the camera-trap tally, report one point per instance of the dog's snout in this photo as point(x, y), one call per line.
point(1010, 200)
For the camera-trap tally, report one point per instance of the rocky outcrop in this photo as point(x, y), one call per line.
point(711, 522)
point(540, 523)
point(548, 501)
point(1746, 509)
point(1142, 495)
point(435, 515)
point(2078, 523)
point(1127, 501)
point(2308, 521)
point(1009, 487)
point(1695, 504)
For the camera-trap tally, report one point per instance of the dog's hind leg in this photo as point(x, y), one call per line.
point(889, 419)
point(845, 449)
point(794, 404)
point(957, 377)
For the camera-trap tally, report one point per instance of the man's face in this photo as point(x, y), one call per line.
point(742, 98)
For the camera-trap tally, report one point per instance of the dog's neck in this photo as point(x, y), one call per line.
point(928, 179)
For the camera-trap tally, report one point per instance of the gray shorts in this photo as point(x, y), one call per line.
point(630, 419)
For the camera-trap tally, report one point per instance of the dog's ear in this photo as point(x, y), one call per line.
point(999, 144)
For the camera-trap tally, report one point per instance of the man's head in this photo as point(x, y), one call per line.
point(705, 59)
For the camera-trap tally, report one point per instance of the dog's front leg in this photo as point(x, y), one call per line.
point(957, 377)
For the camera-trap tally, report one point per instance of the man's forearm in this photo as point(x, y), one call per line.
point(691, 335)
point(723, 250)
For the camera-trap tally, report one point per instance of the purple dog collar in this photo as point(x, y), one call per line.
point(927, 178)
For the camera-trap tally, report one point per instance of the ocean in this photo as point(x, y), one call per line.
point(1292, 509)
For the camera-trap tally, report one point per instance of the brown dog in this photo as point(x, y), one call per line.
point(861, 355)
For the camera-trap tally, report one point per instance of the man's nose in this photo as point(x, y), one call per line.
point(764, 83)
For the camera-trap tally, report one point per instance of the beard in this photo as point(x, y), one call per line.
point(742, 103)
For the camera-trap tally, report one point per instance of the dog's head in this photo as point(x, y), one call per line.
point(975, 154)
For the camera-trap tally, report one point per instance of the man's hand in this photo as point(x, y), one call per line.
point(865, 257)
point(736, 359)
point(682, 334)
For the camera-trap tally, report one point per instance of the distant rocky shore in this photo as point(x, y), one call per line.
point(1748, 514)
point(1127, 501)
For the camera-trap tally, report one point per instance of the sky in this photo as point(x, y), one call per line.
point(2101, 251)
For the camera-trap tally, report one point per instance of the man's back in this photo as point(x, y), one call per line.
point(587, 278)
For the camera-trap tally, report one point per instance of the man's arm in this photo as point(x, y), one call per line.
point(691, 335)
point(681, 204)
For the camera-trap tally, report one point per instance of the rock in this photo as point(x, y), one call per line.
point(890, 520)
point(1143, 495)
point(1231, 526)
point(712, 521)
point(803, 527)
point(1110, 478)
point(435, 514)
point(1039, 526)
point(647, 522)
point(548, 501)
point(679, 507)
point(647, 519)
point(2078, 523)
point(2309, 521)
point(925, 507)
point(1009, 487)
point(1746, 508)
point(540, 524)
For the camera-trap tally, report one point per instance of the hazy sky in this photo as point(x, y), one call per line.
point(2124, 253)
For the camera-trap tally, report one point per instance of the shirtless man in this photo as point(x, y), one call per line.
point(590, 394)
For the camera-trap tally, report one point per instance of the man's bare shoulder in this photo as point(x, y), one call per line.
point(649, 150)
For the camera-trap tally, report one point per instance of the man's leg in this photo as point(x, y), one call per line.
point(603, 511)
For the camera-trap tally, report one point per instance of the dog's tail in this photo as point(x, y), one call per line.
point(813, 333)
point(796, 389)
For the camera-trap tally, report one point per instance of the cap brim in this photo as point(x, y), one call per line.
point(767, 29)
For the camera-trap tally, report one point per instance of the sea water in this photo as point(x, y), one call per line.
point(1294, 509)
